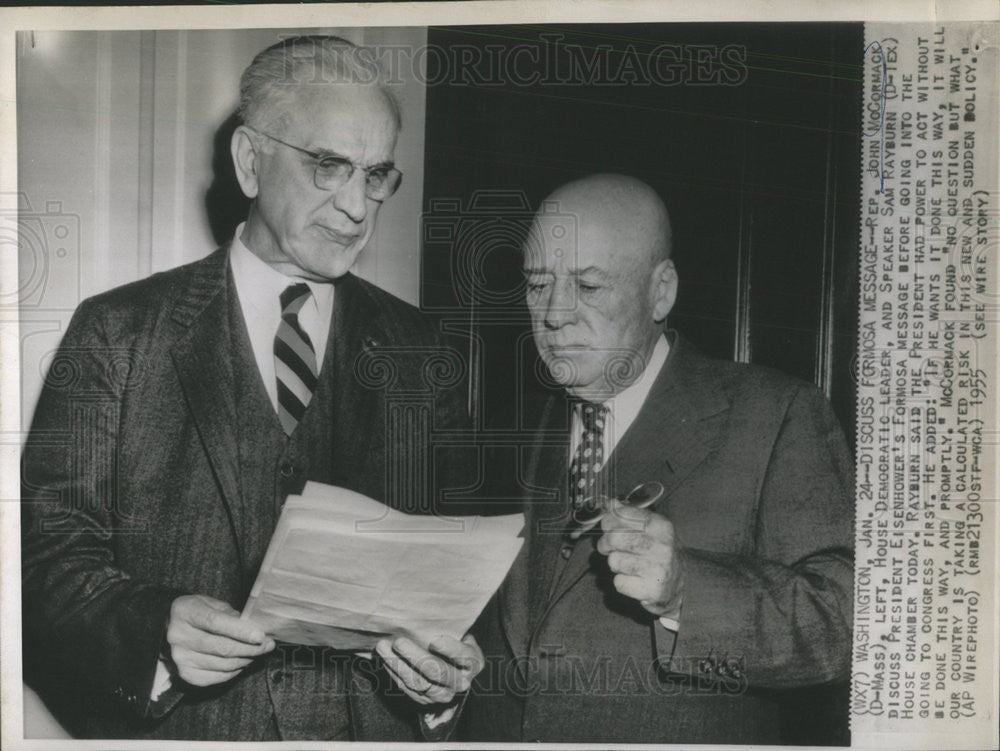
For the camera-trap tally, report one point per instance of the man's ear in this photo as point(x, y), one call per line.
point(664, 289)
point(245, 160)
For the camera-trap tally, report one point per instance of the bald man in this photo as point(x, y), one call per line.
point(685, 621)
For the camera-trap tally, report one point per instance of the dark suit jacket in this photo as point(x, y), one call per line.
point(132, 491)
point(759, 488)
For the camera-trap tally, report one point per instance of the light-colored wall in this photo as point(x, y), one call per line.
point(115, 148)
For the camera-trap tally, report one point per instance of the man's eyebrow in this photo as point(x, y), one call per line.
point(324, 153)
point(321, 151)
point(590, 271)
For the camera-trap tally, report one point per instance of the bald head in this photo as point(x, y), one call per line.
point(621, 205)
point(600, 281)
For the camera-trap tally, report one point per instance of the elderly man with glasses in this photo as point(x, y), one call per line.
point(181, 411)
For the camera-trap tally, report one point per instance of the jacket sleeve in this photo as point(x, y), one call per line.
point(82, 614)
point(779, 615)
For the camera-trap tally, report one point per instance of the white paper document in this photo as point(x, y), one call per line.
point(344, 571)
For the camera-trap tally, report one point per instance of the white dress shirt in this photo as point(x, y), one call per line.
point(623, 408)
point(259, 287)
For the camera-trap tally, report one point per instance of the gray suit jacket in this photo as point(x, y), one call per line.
point(132, 492)
point(759, 488)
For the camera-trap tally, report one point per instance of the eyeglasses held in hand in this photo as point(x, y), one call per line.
point(593, 508)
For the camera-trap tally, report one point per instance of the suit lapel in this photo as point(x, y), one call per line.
point(673, 432)
point(672, 435)
point(548, 519)
point(512, 600)
point(358, 326)
point(202, 358)
point(525, 591)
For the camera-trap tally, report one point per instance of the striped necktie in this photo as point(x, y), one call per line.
point(589, 459)
point(294, 359)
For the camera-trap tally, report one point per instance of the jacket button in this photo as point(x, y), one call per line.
point(287, 469)
point(277, 677)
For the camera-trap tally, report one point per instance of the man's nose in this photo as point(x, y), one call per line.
point(350, 197)
point(561, 307)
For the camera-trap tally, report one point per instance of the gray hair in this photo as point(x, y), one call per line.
point(275, 75)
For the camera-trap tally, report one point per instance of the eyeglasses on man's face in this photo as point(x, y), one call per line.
point(332, 171)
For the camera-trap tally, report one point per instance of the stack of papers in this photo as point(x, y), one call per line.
point(343, 570)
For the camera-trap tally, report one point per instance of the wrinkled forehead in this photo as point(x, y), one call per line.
point(572, 241)
point(354, 110)
point(553, 239)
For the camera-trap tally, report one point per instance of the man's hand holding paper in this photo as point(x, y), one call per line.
point(209, 643)
point(436, 674)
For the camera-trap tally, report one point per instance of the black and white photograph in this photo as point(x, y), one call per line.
point(457, 375)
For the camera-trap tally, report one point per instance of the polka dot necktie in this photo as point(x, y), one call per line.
point(589, 458)
point(294, 359)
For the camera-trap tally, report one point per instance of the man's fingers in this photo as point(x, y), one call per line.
point(464, 654)
point(223, 646)
point(209, 644)
point(635, 587)
point(208, 662)
point(661, 528)
point(401, 668)
point(431, 695)
point(627, 541)
point(478, 658)
point(219, 605)
point(226, 624)
point(634, 541)
point(198, 677)
point(437, 673)
point(436, 670)
point(656, 595)
point(631, 564)
point(413, 678)
point(189, 637)
point(415, 695)
point(621, 517)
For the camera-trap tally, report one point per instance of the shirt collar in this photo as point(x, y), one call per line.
point(624, 407)
point(253, 273)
